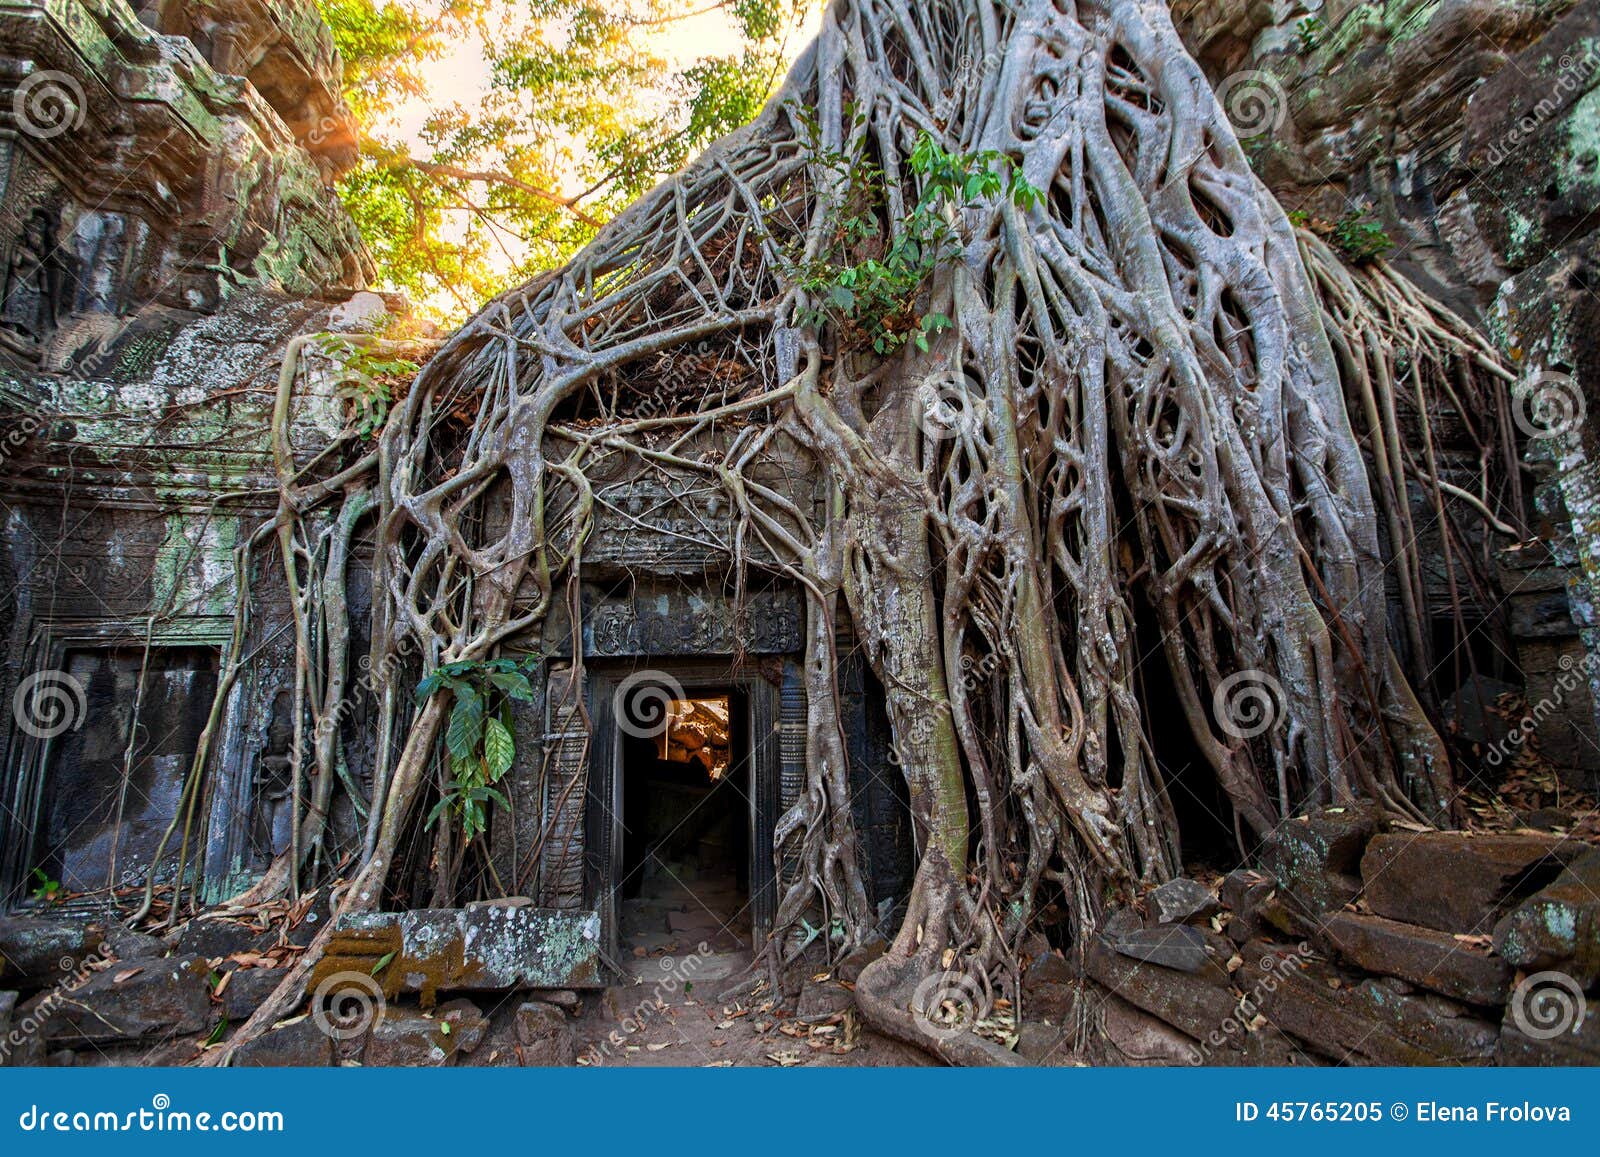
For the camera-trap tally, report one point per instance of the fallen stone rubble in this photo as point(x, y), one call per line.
point(81, 993)
point(1353, 942)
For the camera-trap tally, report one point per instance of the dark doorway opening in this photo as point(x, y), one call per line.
point(106, 803)
point(686, 823)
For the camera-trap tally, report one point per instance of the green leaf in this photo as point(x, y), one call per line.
point(433, 815)
point(466, 725)
point(383, 962)
point(499, 748)
point(216, 1033)
point(514, 683)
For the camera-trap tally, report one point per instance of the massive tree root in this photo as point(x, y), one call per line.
point(1132, 445)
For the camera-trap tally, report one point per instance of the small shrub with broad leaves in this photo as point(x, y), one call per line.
point(479, 736)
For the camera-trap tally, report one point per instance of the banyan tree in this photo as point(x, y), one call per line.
point(1082, 404)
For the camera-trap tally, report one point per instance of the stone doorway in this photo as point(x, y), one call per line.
point(683, 798)
point(686, 825)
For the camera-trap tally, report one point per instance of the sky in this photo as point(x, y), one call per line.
point(461, 77)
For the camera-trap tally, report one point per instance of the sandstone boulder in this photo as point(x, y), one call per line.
point(1424, 956)
point(1456, 882)
point(1315, 858)
point(1559, 926)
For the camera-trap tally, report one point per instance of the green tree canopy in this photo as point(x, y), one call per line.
point(589, 103)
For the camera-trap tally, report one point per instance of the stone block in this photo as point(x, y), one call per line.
point(1314, 858)
point(297, 1043)
point(1456, 882)
point(1181, 900)
point(1424, 956)
point(1365, 1022)
point(1559, 926)
point(467, 950)
point(155, 999)
point(544, 1036)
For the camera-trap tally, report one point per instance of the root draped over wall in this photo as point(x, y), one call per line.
point(1138, 404)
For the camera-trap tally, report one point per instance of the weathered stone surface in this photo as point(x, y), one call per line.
point(1314, 858)
point(1576, 1043)
point(297, 1043)
point(544, 1037)
point(1050, 1001)
point(1172, 945)
point(438, 949)
point(1559, 926)
point(1182, 899)
point(219, 937)
point(821, 999)
point(247, 989)
point(1376, 1022)
point(1435, 960)
point(1049, 966)
point(1199, 1005)
point(1134, 1037)
point(1457, 882)
point(1045, 1045)
point(407, 1037)
point(35, 950)
point(1194, 1004)
point(155, 999)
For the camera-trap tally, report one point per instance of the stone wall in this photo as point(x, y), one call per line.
point(134, 172)
point(1467, 131)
